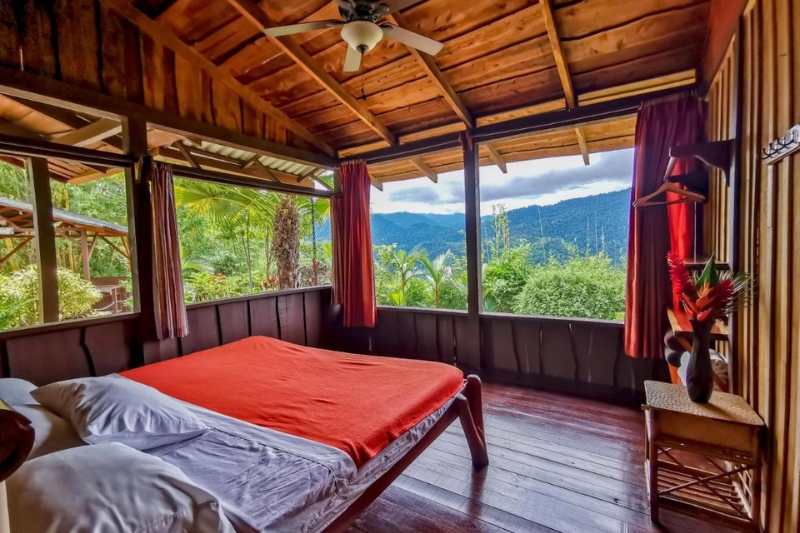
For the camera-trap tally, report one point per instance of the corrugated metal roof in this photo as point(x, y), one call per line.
point(289, 167)
point(60, 215)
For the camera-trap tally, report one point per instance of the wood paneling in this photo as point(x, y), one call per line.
point(581, 357)
point(496, 59)
point(767, 333)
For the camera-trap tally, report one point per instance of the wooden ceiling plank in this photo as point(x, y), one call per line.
point(98, 130)
point(259, 18)
point(497, 157)
point(426, 169)
point(435, 74)
point(164, 36)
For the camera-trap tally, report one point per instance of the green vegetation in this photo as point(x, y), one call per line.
point(19, 297)
point(580, 286)
point(237, 241)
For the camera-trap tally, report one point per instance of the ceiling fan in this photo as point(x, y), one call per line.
point(363, 28)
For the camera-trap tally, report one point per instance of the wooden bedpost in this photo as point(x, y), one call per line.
point(470, 413)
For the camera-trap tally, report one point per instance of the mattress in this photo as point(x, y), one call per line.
point(357, 404)
point(269, 481)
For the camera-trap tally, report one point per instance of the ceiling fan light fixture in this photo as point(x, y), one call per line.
point(362, 35)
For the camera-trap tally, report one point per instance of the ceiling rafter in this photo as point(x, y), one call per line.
point(497, 157)
point(303, 59)
point(92, 133)
point(164, 36)
point(423, 167)
point(563, 71)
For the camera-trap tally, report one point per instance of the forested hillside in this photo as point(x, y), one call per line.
point(599, 221)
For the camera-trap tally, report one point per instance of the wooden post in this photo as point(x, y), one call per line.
point(469, 353)
point(85, 256)
point(140, 222)
point(45, 241)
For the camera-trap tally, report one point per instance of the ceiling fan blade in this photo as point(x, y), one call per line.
point(352, 61)
point(399, 5)
point(414, 40)
point(280, 31)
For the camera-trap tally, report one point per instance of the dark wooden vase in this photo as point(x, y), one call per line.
point(700, 374)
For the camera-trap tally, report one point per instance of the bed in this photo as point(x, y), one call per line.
point(304, 439)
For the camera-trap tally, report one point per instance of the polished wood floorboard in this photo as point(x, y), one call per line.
point(558, 465)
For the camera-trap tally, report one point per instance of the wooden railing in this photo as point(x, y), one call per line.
point(575, 356)
point(102, 346)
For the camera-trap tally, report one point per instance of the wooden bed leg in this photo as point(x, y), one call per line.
point(475, 398)
point(470, 412)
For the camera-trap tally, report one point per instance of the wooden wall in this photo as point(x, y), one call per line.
point(86, 44)
point(104, 346)
point(578, 357)
point(721, 109)
point(768, 333)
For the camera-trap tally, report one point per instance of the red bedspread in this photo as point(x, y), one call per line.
point(355, 403)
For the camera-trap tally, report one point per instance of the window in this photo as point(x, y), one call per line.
point(90, 241)
point(554, 236)
point(418, 236)
point(237, 241)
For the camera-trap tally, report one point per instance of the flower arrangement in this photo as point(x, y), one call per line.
point(705, 298)
point(711, 295)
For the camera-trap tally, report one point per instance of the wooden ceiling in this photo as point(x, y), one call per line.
point(208, 60)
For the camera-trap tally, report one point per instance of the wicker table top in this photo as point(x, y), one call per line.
point(722, 406)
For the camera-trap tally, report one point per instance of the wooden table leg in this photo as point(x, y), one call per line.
point(652, 470)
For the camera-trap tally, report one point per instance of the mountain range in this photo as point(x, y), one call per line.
point(592, 223)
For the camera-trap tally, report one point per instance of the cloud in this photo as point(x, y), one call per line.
point(417, 194)
point(528, 180)
point(608, 167)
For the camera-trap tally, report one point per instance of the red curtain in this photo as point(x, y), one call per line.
point(652, 231)
point(353, 277)
point(169, 305)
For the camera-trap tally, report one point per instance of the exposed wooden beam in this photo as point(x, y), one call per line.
point(581, 134)
point(563, 70)
point(519, 127)
point(90, 134)
point(254, 170)
point(247, 181)
point(164, 36)
point(497, 157)
point(425, 169)
point(296, 53)
point(265, 171)
point(435, 74)
point(186, 154)
point(50, 92)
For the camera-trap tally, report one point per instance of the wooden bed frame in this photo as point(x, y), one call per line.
point(468, 408)
point(17, 441)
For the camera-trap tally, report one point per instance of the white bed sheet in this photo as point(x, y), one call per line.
point(273, 482)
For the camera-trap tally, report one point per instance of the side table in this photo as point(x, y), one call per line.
point(703, 459)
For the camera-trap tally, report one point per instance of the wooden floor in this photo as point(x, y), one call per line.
point(558, 464)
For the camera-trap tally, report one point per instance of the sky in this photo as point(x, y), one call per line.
point(539, 182)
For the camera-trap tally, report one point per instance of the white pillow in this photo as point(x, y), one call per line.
point(109, 488)
point(115, 409)
point(51, 432)
point(15, 391)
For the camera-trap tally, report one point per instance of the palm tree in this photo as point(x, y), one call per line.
point(438, 272)
point(235, 209)
point(404, 262)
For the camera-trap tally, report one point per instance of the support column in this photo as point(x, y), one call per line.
point(469, 353)
point(140, 225)
point(85, 256)
point(45, 241)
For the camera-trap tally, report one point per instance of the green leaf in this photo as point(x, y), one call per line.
point(709, 275)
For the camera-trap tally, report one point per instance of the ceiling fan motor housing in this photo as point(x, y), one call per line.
point(362, 35)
